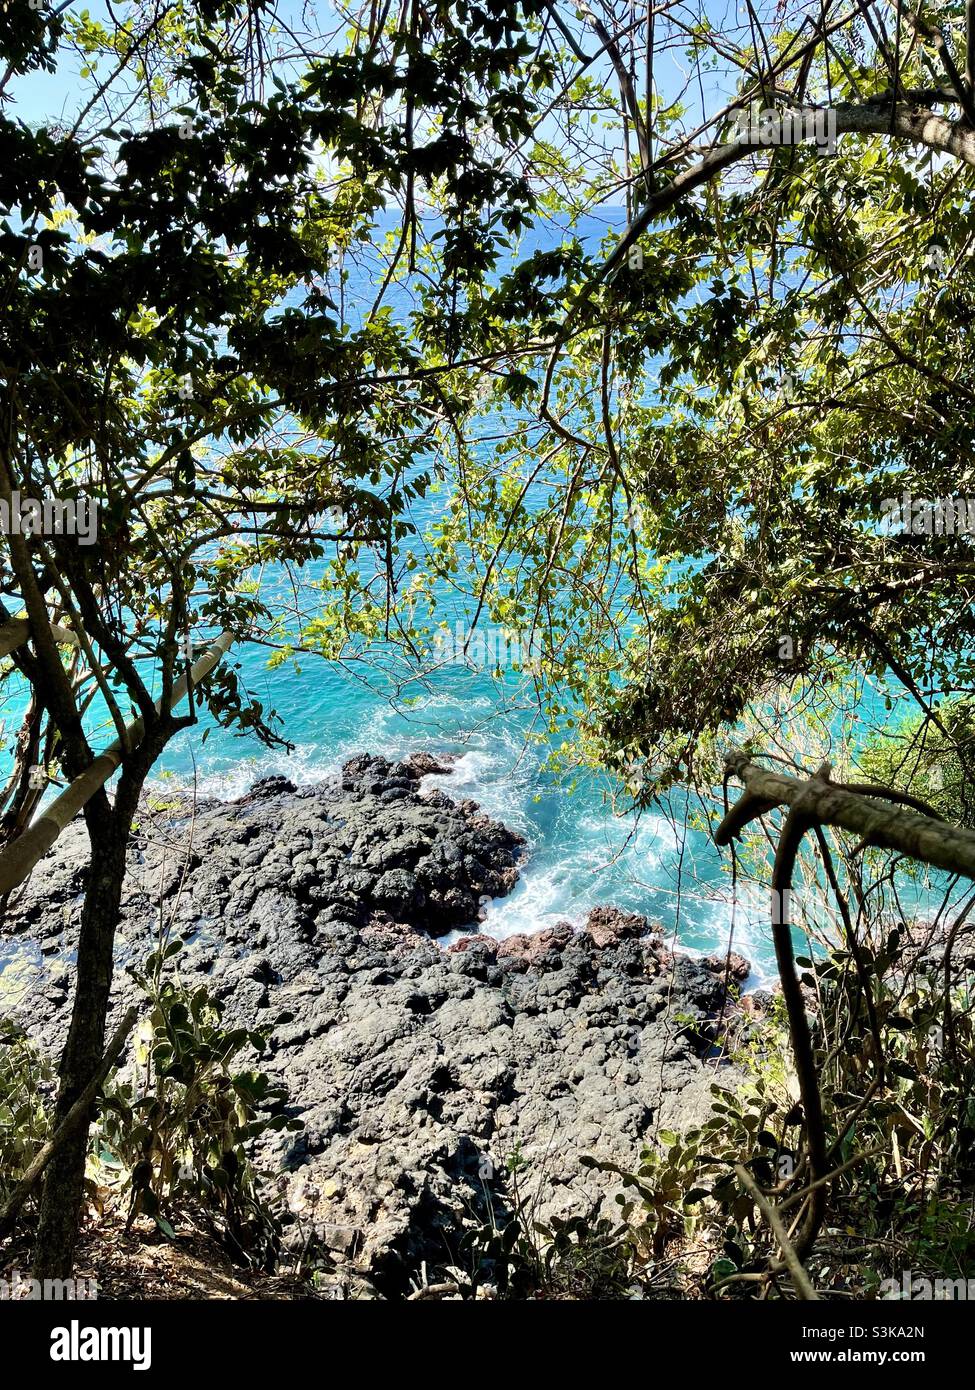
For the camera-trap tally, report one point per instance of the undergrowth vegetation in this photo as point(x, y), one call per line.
point(897, 1067)
point(25, 1120)
point(177, 1133)
point(895, 1049)
point(176, 1123)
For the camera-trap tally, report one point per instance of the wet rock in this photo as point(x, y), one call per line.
point(758, 1004)
point(425, 764)
point(265, 788)
point(540, 948)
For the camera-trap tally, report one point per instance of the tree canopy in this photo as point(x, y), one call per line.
point(737, 427)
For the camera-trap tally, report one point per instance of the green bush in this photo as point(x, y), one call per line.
point(935, 764)
point(518, 1257)
point(179, 1132)
point(902, 1149)
point(25, 1120)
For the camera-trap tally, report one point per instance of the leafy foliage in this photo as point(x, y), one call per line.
point(182, 1128)
point(516, 1256)
point(929, 754)
point(902, 1155)
point(24, 1116)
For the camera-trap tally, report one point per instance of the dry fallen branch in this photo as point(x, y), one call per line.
point(14, 634)
point(879, 823)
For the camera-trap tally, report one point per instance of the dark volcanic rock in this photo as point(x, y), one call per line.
point(927, 943)
point(417, 1070)
point(348, 849)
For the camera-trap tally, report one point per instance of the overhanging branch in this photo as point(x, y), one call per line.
point(868, 812)
point(919, 126)
point(14, 634)
point(876, 821)
point(19, 857)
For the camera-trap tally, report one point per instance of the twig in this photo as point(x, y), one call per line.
point(799, 1276)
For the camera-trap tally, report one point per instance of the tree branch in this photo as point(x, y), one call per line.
point(875, 821)
point(18, 858)
point(799, 1276)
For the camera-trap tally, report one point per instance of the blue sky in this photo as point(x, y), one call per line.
point(43, 96)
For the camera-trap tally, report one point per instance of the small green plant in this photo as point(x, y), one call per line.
point(522, 1258)
point(179, 1131)
point(934, 754)
point(25, 1121)
point(896, 1071)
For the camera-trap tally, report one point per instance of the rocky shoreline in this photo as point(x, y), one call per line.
point(418, 1069)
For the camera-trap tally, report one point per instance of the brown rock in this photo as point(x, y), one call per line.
point(531, 950)
point(419, 765)
point(486, 945)
point(394, 936)
point(738, 967)
point(609, 925)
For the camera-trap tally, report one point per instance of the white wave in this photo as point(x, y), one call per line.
point(226, 781)
point(752, 937)
point(627, 846)
point(541, 904)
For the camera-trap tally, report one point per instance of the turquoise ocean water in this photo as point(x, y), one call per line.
point(579, 853)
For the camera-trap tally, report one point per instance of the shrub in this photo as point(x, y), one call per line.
point(25, 1121)
point(902, 1151)
point(179, 1131)
point(935, 763)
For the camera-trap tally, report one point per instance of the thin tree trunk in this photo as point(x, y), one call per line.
point(109, 825)
point(16, 794)
point(18, 858)
point(873, 813)
point(63, 1191)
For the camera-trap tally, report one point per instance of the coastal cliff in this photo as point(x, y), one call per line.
point(418, 1068)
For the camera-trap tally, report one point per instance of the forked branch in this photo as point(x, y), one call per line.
point(872, 813)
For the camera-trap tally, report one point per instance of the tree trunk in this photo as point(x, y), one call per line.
point(62, 1195)
point(109, 825)
point(16, 797)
